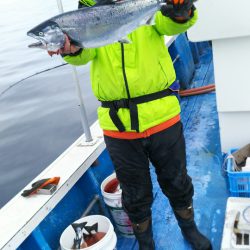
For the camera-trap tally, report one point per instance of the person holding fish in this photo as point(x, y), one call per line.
point(133, 76)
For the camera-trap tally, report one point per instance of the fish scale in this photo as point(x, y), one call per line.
point(95, 26)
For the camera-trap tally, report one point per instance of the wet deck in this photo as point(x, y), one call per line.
point(204, 160)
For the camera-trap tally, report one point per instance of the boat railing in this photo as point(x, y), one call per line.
point(84, 119)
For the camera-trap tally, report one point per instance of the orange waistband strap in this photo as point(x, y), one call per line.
point(144, 134)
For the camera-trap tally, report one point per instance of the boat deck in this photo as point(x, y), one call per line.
point(204, 161)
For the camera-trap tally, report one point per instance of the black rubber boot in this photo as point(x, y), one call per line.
point(144, 235)
point(190, 232)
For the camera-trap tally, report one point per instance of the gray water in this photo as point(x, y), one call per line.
point(39, 116)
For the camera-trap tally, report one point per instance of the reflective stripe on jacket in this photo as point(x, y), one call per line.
point(148, 68)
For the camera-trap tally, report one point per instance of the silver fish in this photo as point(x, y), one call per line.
point(93, 27)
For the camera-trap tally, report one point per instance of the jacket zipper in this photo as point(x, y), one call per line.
point(124, 71)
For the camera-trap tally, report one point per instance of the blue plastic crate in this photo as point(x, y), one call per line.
point(239, 182)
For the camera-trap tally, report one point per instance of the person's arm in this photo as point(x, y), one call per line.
point(73, 54)
point(176, 17)
point(82, 57)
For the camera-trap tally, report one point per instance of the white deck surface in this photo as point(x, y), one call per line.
point(21, 215)
point(235, 205)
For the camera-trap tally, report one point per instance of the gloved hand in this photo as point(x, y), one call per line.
point(178, 10)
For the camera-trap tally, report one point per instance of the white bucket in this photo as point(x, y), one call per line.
point(108, 242)
point(113, 201)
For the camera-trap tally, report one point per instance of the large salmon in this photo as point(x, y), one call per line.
point(95, 26)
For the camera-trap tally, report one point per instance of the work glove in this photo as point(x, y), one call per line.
point(178, 10)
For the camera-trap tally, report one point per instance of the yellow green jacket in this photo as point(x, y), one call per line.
point(148, 67)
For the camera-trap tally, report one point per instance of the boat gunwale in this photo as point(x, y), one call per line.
point(20, 216)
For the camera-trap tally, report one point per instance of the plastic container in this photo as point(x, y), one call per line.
point(239, 182)
point(229, 238)
point(114, 203)
point(108, 242)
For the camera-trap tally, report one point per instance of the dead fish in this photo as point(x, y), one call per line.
point(105, 23)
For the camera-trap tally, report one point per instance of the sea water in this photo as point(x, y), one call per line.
point(39, 116)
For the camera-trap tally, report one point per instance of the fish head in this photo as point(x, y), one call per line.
point(49, 36)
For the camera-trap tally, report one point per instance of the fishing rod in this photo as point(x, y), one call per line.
point(35, 74)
